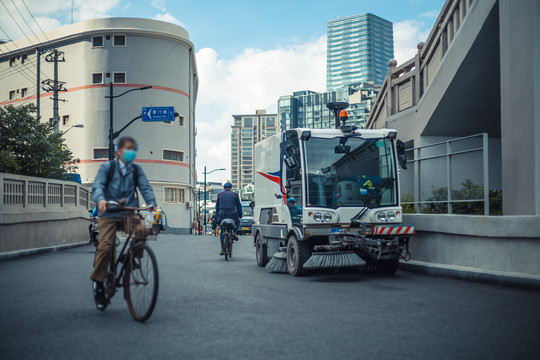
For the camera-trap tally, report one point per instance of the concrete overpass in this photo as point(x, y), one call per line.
point(477, 73)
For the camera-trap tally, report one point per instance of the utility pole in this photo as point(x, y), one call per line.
point(55, 86)
point(111, 143)
point(38, 82)
point(55, 92)
point(205, 200)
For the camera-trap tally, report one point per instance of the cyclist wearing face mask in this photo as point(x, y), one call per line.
point(116, 180)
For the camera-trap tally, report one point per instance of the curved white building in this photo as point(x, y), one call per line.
point(130, 53)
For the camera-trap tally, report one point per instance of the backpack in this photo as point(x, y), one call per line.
point(112, 169)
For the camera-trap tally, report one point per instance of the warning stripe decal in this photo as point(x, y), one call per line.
point(394, 230)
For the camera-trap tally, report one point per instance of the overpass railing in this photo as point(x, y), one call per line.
point(405, 84)
point(32, 194)
point(450, 177)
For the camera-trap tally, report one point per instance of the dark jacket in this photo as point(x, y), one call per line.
point(121, 187)
point(228, 205)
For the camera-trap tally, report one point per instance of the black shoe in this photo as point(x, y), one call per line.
point(99, 295)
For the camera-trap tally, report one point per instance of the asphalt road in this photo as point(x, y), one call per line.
point(212, 309)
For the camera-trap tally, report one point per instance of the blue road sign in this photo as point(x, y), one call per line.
point(158, 113)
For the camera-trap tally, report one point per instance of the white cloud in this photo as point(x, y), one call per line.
point(407, 35)
point(433, 14)
point(168, 18)
point(255, 79)
point(49, 14)
point(159, 4)
point(94, 9)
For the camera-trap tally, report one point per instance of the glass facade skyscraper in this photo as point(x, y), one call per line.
point(358, 50)
point(246, 131)
point(308, 108)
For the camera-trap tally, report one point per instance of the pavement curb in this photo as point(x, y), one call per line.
point(35, 251)
point(473, 274)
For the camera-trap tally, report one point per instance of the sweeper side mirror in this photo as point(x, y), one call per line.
point(290, 154)
point(400, 148)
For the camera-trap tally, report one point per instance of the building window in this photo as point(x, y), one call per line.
point(173, 195)
point(101, 153)
point(119, 77)
point(24, 92)
point(180, 120)
point(11, 62)
point(119, 40)
point(65, 120)
point(24, 59)
point(173, 155)
point(97, 78)
point(248, 122)
point(12, 95)
point(97, 41)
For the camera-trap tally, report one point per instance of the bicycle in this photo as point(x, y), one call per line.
point(94, 232)
point(227, 229)
point(138, 274)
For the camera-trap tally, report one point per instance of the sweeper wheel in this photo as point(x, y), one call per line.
point(387, 267)
point(261, 251)
point(297, 254)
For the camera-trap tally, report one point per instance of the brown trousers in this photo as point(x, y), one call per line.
point(107, 237)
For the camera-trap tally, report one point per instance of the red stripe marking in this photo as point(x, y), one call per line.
point(84, 87)
point(142, 161)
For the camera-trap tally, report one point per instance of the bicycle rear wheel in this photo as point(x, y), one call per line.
point(226, 239)
point(141, 282)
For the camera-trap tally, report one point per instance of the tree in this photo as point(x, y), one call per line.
point(28, 147)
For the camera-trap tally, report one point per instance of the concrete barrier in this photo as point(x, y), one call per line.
point(498, 249)
point(37, 213)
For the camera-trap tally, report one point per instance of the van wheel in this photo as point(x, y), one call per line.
point(260, 251)
point(297, 255)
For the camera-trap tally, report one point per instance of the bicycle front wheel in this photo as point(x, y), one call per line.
point(141, 282)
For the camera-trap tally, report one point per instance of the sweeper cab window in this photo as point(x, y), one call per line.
point(350, 172)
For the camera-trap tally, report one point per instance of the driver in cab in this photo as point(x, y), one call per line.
point(296, 211)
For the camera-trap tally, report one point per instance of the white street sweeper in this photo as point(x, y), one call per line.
point(329, 198)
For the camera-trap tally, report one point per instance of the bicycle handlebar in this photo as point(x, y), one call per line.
point(119, 207)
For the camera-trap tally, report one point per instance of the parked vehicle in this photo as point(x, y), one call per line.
point(345, 185)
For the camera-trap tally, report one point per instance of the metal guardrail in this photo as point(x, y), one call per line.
point(19, 192)
point(465, 162)
point(405, 84)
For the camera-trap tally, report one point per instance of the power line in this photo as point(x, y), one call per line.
point(43, 32)
point(12, 42)
point(12, 18)
point(16, 47)
point(17, 8)
point(23, 73)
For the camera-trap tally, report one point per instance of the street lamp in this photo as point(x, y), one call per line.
point(73, 126)
point(111, 97)
point(206, 173)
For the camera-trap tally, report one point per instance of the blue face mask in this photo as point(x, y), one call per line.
point(130, 155)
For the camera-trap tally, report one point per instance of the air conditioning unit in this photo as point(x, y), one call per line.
point(189, 204)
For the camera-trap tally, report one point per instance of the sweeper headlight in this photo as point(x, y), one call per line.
point(327, 217)
point(317, 216)
point(391, 216)
point(381, 216)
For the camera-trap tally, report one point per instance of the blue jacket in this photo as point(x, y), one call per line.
point(121, 187)
point(228, 205)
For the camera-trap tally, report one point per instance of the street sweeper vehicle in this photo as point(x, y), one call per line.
point(329, 198)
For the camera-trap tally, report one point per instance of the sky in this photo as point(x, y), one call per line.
point(249, 53)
